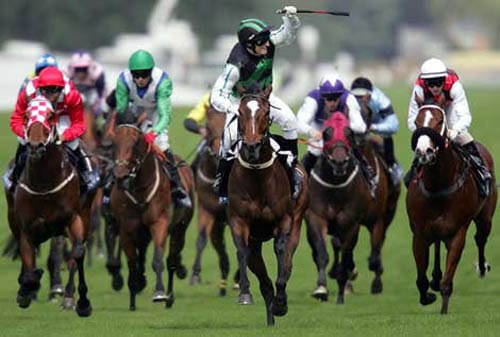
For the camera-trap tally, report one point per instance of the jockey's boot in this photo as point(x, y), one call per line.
point(221, 180)
point(394, 168)
point(178, 193)
point(367, 170)
point(201, 146)
point(13, 173)
point(309, 160)
point(88, 174)
point(411, 172)
point(481, 172)
point(294, 175)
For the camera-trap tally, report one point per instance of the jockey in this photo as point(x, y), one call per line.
point(251, 61)
point(89, 79)
point(147, 88)
point(384, 121)
point(46, 60)
point(67, 104)
point(330, 96)
point(193, 122)
point(434, 81)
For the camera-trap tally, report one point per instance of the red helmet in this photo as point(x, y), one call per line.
point(51, 77)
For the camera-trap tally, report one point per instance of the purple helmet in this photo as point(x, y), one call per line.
point(330, 84)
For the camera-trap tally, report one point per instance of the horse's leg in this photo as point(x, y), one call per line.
point(240, 237)
point(455, 247)
point(377, 237)
point(483, 229)
point(421, 256)
point(174, 264)
point(159, 235)
point(437, 274)
point(29, 281)
point(205, 225)
point(130, 252)
point(96, 220)
point(217, 238)
point(347, 260)
point(316, 232)
point(54, 262)
point(113, 252)
point(258, 267)
point(334, 270)
point(76, 234)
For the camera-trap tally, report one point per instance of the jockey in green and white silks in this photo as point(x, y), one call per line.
point(146, 88)
point(250, 62)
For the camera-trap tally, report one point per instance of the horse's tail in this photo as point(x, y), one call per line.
point(11, 248)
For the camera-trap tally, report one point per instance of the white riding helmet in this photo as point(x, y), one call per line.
point(433, 68)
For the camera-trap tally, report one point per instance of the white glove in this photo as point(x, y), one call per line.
point(452, 134)
point(290, 10)
point(315, 135)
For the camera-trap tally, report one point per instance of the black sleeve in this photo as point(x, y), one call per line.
point(387, 111)
point(191, 125)
point(111, 100)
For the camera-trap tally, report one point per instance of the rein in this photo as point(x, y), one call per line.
point(151, 193)
point(51, 191)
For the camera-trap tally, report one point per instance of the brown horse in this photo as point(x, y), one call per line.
point(142, 206)
point(46, 203)
point(442, 201)
point(340, 202)
point(211, 215)
point(260, 205)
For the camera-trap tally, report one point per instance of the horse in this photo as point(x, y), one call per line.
point(46, 203)
point(211, 215)
point(142, 207)
point(260, 205)
point(441, 202)
point(340, 201)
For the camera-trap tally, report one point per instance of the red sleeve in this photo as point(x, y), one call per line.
point(17, 119)
point(74, 109)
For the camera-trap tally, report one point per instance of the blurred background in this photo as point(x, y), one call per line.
point(386, 40)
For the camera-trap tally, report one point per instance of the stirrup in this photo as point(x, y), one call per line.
point(181, 197)
point(223, 200)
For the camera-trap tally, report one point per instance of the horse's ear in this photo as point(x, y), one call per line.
point(267, 91)
point(327, 134)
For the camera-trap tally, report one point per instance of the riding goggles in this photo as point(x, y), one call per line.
point(331, 97)
point(50, 90)
point(141, 73)
point(434, 82)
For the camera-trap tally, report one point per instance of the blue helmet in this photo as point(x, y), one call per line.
point(46, 60)
point(330, 84)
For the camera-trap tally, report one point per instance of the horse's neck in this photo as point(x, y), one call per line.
point(148, 172)
point(444, 171)
point(208, 163)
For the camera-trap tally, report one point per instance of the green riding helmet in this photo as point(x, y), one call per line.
point(251, 30)
point(141, 60)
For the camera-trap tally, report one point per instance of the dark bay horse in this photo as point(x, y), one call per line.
point(211, 215)
point(260, 205)
point(340, 202)
point(144, 212)
point(45, 204)
point(442, 201)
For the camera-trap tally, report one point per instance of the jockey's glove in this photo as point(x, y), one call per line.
point(149, 137)
point(290, 10)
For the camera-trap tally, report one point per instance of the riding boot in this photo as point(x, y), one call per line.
point(309, 160)
point(178, 192)
point(88, 174)
point(11, 176)
point(394, 168)
point(367, 170)
point(294, 174)
point(482, 174)
point(221, 180)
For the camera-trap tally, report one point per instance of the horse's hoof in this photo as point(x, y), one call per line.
point(429, 298)
point(68, 303)
point(159, 296)
point(340, 299)
point(353, 274)
point(131, 308)
point(320, 293)
point(348, 289)
point(195, 279)
point(169, 301)
point(435, 284)
point(236, 286)
point(83, 308)
point(23, 301)
point(377, 286)
point(117, 282)
point(279, 308)
point(245, 299)
point(487, 269)
point(181, 272)
point(222, 292)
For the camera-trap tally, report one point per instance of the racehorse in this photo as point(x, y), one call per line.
point(442, 201)
point(340, 201)
point(45, 204)
point(260, 205)
point(211, 215)
point(142, 206)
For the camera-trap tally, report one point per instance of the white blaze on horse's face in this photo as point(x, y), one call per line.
point(253, 106)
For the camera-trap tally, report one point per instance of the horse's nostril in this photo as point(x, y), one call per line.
point(429, 151)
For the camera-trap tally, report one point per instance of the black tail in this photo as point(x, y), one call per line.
point(11, 248)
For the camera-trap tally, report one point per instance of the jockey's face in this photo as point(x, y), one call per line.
point(51, 93)
point(81, 73)
point(141, 77)
point(435, 85)
point(331, 101)
point(261, 48)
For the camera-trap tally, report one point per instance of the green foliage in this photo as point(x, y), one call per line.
point(198, 311)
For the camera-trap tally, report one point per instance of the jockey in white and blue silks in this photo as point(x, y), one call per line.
point(251, 62)
point(383, 121)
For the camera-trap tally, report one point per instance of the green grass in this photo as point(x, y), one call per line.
point(198, 311)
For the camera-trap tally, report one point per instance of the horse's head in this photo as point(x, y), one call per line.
point(129, 153)
point(40, 128)
point(253, 123)
point(430, 135)
point(337, 142)
point(215, 126)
